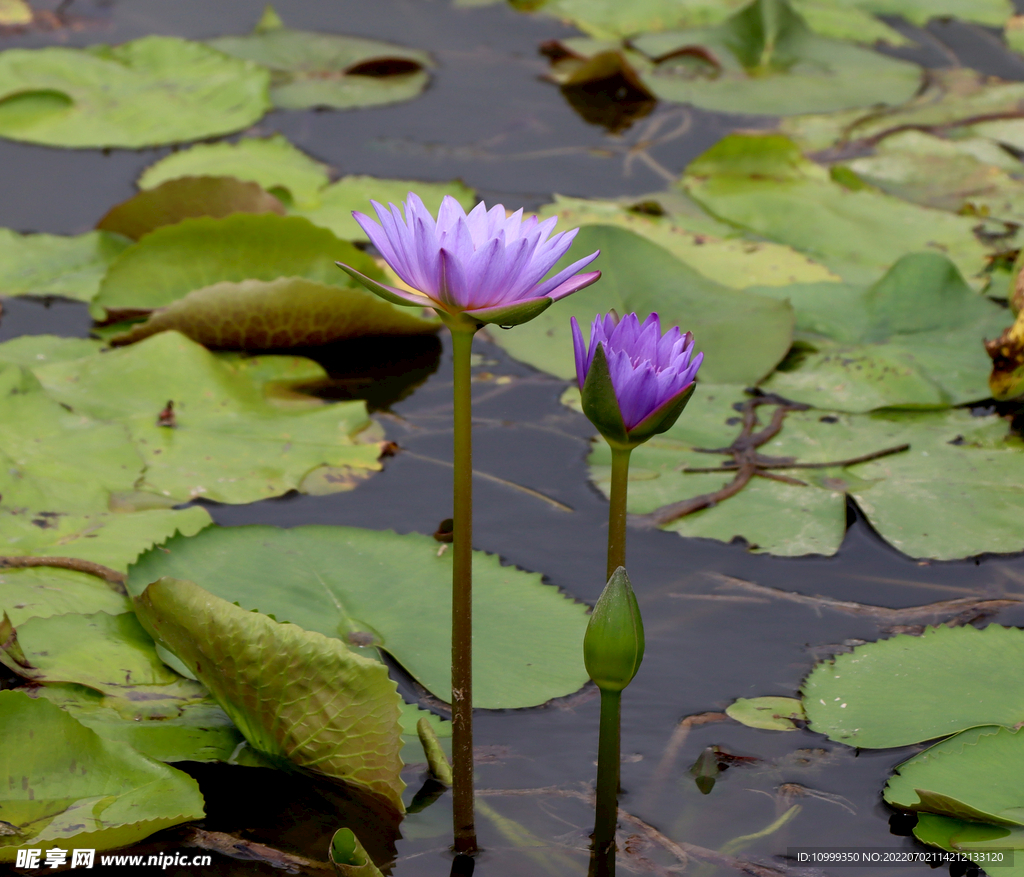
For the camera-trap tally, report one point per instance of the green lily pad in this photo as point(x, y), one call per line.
point(769, 713)
point(349, 857)
point(64, 785)
point(30, 351)
point(952, 97)
point(298, 697)
point(49, 264)
point(275, 314)
point(954, 493)
point(280, 168)
point(108, 538)
point(39, 592)
point(743, 335)
point(110, 654)
point(959, 836)
point(148, 92)
point(311, 69)
point(354, 584)
point(763, 184)
point(914, 339)
point(908, 689)
point(731, 261)
point(186, 198)
point(43, 447)
point(14, 13)
point(174, 260)
point(766, 60)
point(970, 776)
point(336, 202)
point(225, 440)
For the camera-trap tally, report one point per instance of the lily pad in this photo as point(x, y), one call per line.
point(148, 92)
point(355, 585)
point(14, 13)
point(1007, 352)
point(743, 335)
point(55, 460)
point(957, 835)
point(908, 689)
point(222, 440)
point(185, 198)
point(914, 339)
point(762, 183)
point(174, 260)
point(970, 776)
point(108, 538)
point(766, 60)
point(30, 351)
point(66, 785)
point(769, 713)
point(39, 592)
point(48, 264)
point(337, 201)
point(311, 69)
point(275, 314)
point(953, 494)
point(731, 261)
point(110, 654)
point(298, 697)
point(283, 170)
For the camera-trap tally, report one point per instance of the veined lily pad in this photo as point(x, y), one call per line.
point(64, 785)
point(954, 493)
point(47, 264)
point(914, 339)
point(186, 198)
point(298, 697)
point(148, 92)
point(970, 776)
point(337, 201)
point(275, 314)
point(221, 438)
point(763, 184)
point(354, 585)
point(311, 69)
point(174, 260)
point(908, 689)
point(765, 59)
point(38, 592)
point(743, 335)
point(282, 169)
point(731, 261)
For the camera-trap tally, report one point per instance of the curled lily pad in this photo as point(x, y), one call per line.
point(184, 198)
point(311, 69)
point(287, 312)
point(176, 259)
point(220, 437)
point(908, 689)
point(765, 59)
point(148, 92)
point(298, 697)
point(68, 786)
point(353, 584)
point(47, 264)
point(283, 170)
point(958, 835)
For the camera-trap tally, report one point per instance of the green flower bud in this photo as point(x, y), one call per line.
point(613, 646)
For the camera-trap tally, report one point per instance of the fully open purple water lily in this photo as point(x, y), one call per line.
point(634, 381)
point(485, 265)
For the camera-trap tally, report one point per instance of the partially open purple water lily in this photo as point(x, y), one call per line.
point(485, 265)
point(634, 381)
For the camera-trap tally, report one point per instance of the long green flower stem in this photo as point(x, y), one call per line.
point(617, 510)
point(602, 860)
point(462, 597)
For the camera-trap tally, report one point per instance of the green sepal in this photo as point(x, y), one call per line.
point(348, 856)
point(511, 315)
point(387, 293)
point(600, 404)
point(662, 418)
point(440, 769)
point(613, 645)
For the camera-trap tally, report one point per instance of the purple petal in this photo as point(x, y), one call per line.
point(579, 348)
point(554, 282)
point(574, 284)
point(454, 293)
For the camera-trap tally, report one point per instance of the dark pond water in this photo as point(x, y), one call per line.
point(490, 120)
